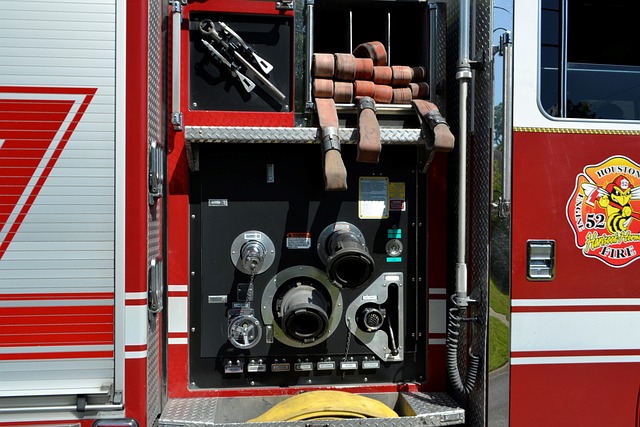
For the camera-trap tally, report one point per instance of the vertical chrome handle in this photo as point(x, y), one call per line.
point(309, 49)
point(506, 50)
point(176, 114)
point(156, 171)
point(155, 279)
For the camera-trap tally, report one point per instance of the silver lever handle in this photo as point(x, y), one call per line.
point(505, 49)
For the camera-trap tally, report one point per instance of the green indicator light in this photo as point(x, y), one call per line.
point(394, 259)
point(394, 233)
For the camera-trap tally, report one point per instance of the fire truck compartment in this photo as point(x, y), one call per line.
point(296, 286)
point(212, 85)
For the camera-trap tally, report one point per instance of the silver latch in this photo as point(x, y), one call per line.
point(156, 171)
point(156, 285)
point(282, 4)
point(541, 260)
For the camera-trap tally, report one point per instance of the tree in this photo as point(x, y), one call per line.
point(500, 263)
point(498, 120)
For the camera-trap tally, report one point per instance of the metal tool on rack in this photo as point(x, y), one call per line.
point(233, 48)
point(233, 68)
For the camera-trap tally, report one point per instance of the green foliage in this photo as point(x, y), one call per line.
point(498, 300)
point(498, 343)
point(500, 227)
point(498, 120)
point(500, 263)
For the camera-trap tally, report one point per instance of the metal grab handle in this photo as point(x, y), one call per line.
point(156, 286)
point(506, 50)
point(176, 114)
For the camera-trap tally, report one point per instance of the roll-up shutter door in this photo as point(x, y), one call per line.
point(57, 198)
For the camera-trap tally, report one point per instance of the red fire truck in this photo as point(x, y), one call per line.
point(255, 212)
point(574, 307)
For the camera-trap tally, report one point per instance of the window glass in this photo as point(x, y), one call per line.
point(599, 91)
point(593, 71)
point(550, 57)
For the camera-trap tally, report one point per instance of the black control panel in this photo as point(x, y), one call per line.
point(295, 285)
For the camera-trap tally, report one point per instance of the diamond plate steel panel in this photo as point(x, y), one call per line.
point(480, 184)
point(479, 175)
point(154, 213)
point(438, 57)
point(153, 378)
point(306, 135)
point(416, 409)
point(189, 412)
point(439, 408)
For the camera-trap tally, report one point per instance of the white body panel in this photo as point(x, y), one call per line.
point(528, 113)
point(64, 246)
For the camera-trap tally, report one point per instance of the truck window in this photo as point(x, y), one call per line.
point(590, 59)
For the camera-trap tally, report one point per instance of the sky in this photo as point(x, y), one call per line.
point(502, 20)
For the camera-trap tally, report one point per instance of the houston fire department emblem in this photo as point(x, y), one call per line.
point(604, 211)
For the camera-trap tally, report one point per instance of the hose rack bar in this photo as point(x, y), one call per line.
point(195, 135)
point(299, 135)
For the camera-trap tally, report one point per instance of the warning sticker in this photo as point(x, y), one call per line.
point(397, 199)
point(373, 201)
point(298, 240)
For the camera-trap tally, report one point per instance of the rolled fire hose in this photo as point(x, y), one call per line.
point(365, 78)
point(434, 123)
point(382, 75)
point(347, 70)
point(369, 146)
point(335, 173)
point(324, 405)
point(374, 50)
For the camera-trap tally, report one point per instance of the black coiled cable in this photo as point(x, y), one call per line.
point(453, 334)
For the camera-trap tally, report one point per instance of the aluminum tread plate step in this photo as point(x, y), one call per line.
point(296, 135)
point(196, 135)
point(418, 409)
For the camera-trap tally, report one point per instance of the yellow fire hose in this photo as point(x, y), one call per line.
point(325, 405)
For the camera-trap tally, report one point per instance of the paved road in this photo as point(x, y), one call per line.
point(499, 397)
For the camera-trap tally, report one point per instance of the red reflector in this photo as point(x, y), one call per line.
point(129, 422)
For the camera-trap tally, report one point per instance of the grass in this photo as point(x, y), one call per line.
point(497, 300)
point(498, 343)
point(498, 331)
